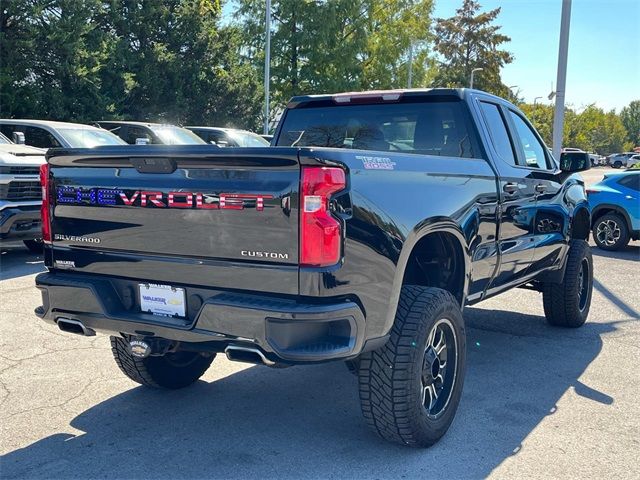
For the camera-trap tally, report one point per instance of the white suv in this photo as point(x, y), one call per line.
point(20, 194)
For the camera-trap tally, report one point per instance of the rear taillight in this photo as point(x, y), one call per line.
point(320, 232)
point(44, 209)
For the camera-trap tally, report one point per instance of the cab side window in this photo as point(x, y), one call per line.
point(530, 148)
point(133, 133)
point(7, 130)
point(39, 137)
point(498, 131)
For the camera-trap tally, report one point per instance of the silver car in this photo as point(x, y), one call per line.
point(49, 134)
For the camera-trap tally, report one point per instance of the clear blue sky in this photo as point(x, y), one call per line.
point(604, 47)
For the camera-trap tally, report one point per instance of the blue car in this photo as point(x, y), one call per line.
point(615, 210)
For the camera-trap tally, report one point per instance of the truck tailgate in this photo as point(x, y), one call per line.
point(201, 215)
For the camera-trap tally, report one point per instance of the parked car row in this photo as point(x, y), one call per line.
point(48, 134)
point(626, 159)
point(594, 158)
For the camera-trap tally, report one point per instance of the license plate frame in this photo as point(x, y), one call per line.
point(162, 300)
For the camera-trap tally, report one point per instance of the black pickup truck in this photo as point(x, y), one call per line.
point(360, 235)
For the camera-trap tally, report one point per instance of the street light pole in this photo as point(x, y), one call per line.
point(410, 64)
point(535, 101)
point(563, 50)
point(472, 74)
point(267, 64)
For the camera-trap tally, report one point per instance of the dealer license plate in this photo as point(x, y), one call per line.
point(162, 300)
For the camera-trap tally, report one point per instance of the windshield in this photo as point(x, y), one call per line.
point(4, 140)
point(177, 136)
point(433, 128)
point(89, 137)
point(248, 139)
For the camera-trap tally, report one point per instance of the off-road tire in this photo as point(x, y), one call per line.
point(167, 371)
point(621, 223)
point(390, 378)
point(563, 305)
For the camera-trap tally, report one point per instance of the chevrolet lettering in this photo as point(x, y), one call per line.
point(159, 199)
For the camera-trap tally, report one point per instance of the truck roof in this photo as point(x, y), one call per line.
point(384, 95)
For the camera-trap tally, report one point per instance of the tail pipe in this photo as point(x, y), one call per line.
point(74, 326)
point(236, 353)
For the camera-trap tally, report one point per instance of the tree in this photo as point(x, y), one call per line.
point(630, 116)
point(469, 40)
point(592, 129)
point(83, 60)
point(170, 62)
point(51, 55)
point(541, 117)
point(338, 45)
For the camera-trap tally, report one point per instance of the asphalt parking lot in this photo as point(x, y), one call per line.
point(538, 401)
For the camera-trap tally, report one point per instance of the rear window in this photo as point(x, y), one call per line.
point(433, 128)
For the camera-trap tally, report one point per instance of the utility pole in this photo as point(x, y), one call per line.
point(472, 74)
point(267, 63)
point(563, 50)
point(410, 64)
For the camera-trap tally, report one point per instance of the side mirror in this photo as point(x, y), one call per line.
point(574, 162)
point(18, 138)
point(142, 141)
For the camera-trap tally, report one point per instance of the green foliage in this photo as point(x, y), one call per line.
point(630, 116)
point(470, 40)
point(339, 45)
point(84, 60)
point(51, 59)
point(592, 130)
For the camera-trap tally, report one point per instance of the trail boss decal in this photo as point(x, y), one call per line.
point(156, 199)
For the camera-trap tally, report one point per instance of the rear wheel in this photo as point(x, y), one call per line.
point(617, 164)
point(411, 387)
point(610, 232)
point(567, 304)
point(172, 370)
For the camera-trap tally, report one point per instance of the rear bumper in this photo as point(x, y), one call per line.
point(286, 330)
point(19, 223)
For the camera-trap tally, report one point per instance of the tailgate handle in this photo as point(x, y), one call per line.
point(154, 165)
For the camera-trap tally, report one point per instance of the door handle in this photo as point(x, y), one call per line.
point(541, 188)
point(510, 188)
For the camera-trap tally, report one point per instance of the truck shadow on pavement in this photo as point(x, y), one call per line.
point(19, 262)
point(630, 252)
point(306, 422)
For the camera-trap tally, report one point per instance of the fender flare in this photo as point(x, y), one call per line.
point(582, 206)
point(424, 228)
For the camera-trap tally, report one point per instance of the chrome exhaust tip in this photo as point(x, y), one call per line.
point(74, 326)
point(236, 353)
